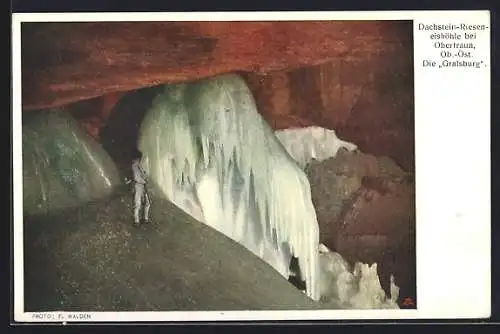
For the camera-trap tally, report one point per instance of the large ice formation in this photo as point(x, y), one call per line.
point(314, 142)
point(350, 287)
point(213, 155)
point(62, 165)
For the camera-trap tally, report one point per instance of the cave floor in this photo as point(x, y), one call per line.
point(91, 258)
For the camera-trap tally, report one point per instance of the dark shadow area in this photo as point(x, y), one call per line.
point(120, 132)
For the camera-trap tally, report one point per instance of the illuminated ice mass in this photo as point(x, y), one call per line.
point(210, 152)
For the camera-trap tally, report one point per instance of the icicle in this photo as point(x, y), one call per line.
point(239, 153)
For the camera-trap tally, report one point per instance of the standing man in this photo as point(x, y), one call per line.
point(141, 195)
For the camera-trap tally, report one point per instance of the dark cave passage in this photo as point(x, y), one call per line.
point(120, 132)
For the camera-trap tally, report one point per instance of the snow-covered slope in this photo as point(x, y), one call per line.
point(213, 155)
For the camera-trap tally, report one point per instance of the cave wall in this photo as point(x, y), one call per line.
point(368, 100)
point(352, 76)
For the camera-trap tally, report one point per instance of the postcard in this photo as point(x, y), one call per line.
point(236, 166)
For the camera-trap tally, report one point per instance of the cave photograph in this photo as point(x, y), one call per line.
point(218, 165)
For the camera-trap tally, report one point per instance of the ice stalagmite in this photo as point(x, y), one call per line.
point(213, 155)
point(353, 287)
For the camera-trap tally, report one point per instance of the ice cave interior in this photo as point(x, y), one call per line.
point(279, 155)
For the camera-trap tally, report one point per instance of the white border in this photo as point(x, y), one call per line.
point(452, 170)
